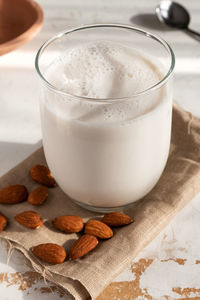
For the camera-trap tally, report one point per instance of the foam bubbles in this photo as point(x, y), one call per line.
point(103, 70)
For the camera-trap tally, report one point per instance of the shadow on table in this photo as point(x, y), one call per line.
point(13, 153)
point(150, 21)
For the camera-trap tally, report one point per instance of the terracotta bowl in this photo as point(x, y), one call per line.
point(20, 21)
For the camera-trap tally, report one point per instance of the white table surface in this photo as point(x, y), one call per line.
point(169, 267)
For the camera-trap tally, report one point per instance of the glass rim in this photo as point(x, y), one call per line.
point(99, 25)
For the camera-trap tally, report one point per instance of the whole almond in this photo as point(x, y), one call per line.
point(3, 222)
point(82, 246)
point(115, 219)
point(68, 223)
point(13, 194)
point(29, 219)
point(51, 253)
point(42, 175)
point(98, 229)
point(38, 195)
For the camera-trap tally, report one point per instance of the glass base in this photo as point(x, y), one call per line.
point(101, 209)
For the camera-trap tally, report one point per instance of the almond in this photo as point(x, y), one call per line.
point(51, 253)
point(29, 219)
point(3, 222)
point(38, 195)
point(68, 223)
point(115, 219)
point(42, 175)
point(82, 246)
point(13, 194)
point(98, 229)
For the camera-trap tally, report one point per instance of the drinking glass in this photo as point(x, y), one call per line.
point(106, 153)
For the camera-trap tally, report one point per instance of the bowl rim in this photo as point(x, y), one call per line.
point(29, 33)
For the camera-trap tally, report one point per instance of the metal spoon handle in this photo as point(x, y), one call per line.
point(193, 32)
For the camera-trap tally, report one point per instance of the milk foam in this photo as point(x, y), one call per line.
point(103, 70)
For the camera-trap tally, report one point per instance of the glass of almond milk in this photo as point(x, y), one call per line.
point(106, 109)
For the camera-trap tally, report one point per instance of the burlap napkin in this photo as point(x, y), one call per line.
point(88, 276)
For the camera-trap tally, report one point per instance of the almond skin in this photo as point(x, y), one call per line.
point(82, 246)
point(98, 229)
point(116, 219)
point(13, 194)
point(50, 253)
point(68, 223)
point(38, 195)
point(29, 219)
point(42, 175)
point(3, 222)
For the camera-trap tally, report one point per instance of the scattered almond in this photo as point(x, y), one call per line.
point(3, 222)
point(29, 219)
point(42, 175)
point(51, 253)
point(13, 194)
point(68, 223)
point(98, 229)
point(82, 246)
point(115, 219)
point(38, 195)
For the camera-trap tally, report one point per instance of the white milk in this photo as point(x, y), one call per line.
point(106, 153)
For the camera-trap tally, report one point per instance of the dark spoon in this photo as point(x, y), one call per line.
point(174, 15)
